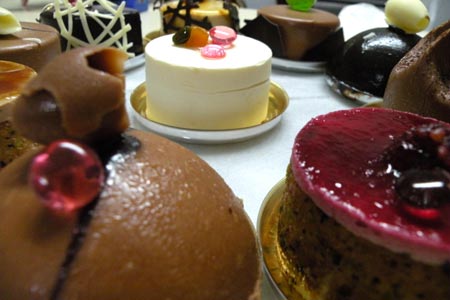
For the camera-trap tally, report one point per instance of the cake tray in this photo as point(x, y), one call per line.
point(275, 265)
point(298, 66)
point(134, 62)
point(350, 92)
point(278, 103)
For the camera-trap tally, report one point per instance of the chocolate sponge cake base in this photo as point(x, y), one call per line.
point(329, 262)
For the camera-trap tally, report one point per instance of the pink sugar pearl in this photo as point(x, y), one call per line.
point(222, 35)
point(213, 51)
point(66, 175)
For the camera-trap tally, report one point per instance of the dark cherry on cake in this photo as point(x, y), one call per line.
point(360, 69)
point(95, 22)
point(366, 212)
point(107, 212)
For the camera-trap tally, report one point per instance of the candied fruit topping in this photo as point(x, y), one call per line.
point(66, 175)
point(213, 51)
point(191, 36)
point(301, 5)
point(222, 35)
point(420, 163)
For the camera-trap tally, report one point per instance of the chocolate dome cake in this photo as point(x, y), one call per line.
point(360, 68)
point(106, 212)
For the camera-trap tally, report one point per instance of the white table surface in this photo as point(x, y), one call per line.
point(251, 168)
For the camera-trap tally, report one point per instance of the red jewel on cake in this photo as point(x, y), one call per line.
point(66, 175)
point(222, 35)
point(213, 51)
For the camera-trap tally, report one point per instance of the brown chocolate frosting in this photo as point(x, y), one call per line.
point(34, 46)
point(300, 31)
point(166, 226)
point(67, 100)
point(420, 82)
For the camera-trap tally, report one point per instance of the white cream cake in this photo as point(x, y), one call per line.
point(188, 90)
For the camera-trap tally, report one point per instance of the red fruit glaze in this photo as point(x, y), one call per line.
point(336, 161)
point(66, 175)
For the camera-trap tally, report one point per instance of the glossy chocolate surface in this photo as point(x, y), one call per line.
point(366, 60)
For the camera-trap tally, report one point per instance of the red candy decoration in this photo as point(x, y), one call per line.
point(222, 35)
point(213, 51)
point(66, 175)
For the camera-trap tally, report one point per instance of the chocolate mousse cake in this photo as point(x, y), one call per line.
point(13, 77)
point(369, 217)
point(95, 22)
point(297, 35)
point(360, 69)
point(419, 83)
point(33, 45)
point(112, 212)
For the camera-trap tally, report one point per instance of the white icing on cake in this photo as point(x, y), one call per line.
point(115, 14)
point(189, 91)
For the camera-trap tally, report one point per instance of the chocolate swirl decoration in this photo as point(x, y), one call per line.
point(49, 108)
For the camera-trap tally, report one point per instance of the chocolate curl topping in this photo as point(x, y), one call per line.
point(78, 95)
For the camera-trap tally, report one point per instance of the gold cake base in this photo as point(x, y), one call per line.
point(285, 281)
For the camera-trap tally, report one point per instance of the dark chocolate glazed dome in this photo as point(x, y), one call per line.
point(365, 61)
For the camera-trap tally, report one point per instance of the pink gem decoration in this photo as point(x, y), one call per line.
point(222, 35)
point(66, 175)
point(213, 51)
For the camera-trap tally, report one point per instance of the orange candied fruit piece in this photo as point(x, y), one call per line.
point(198, 37)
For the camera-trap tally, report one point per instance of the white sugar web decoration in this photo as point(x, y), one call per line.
point(82, 9)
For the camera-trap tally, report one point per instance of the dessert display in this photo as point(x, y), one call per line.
point(222, 85)
point(111, 212)
point(95, 22)
point(367, 218)
point(13, 77)
point(296, 31)
point(361, 68)
point(27, 43)
point(203, 13)
point(419, 82)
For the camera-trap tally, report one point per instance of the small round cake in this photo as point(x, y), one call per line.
point(188, 90)
point(13, 77)
point(360, 69)
point(300, 30)
point(34, 45)
point(111, 212)
point(204, 13)
point(367, 218)
point(419, 83)
point(95, 22)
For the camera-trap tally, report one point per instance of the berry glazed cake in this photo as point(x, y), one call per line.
point(204, 13)
point(95, 22)
point(203, 82)
point(107, 212)
point(13, 77)
point(367, 218)
point(27, 43)
point(296, 31)
point(419, 83)
point(360, 69)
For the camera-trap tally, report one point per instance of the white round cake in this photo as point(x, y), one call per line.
point(188, 90)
